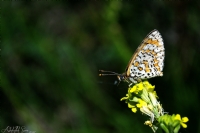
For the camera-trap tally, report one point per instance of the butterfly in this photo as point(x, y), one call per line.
point(147, 61)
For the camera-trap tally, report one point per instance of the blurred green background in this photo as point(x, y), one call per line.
point(51, 52)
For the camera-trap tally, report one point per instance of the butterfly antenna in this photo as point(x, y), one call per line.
point(107, 73)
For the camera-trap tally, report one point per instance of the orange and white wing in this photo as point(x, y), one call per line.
point(148, 59)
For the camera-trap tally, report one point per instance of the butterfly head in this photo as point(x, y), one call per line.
point(121, 77)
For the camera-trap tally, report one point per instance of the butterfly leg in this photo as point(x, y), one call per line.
point(138, 80)
point(130, 84)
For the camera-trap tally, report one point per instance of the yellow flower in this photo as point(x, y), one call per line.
point(133, 89)
point(182, 121)
point(136, 88)
point(140, 86)
point(125, 98)
point(149, 87)
point(142, 97)
point(133, 108)
point(141, 103)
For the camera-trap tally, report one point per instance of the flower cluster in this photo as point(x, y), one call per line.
point(143, 97)
point(172, 123)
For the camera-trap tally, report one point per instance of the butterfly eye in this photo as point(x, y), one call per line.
point(120, 77)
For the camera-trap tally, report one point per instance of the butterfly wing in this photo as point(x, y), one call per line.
point(148, 59)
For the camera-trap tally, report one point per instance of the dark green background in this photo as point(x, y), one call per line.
point(51, 52)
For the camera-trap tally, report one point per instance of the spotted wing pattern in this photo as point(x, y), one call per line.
point(148, 60)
